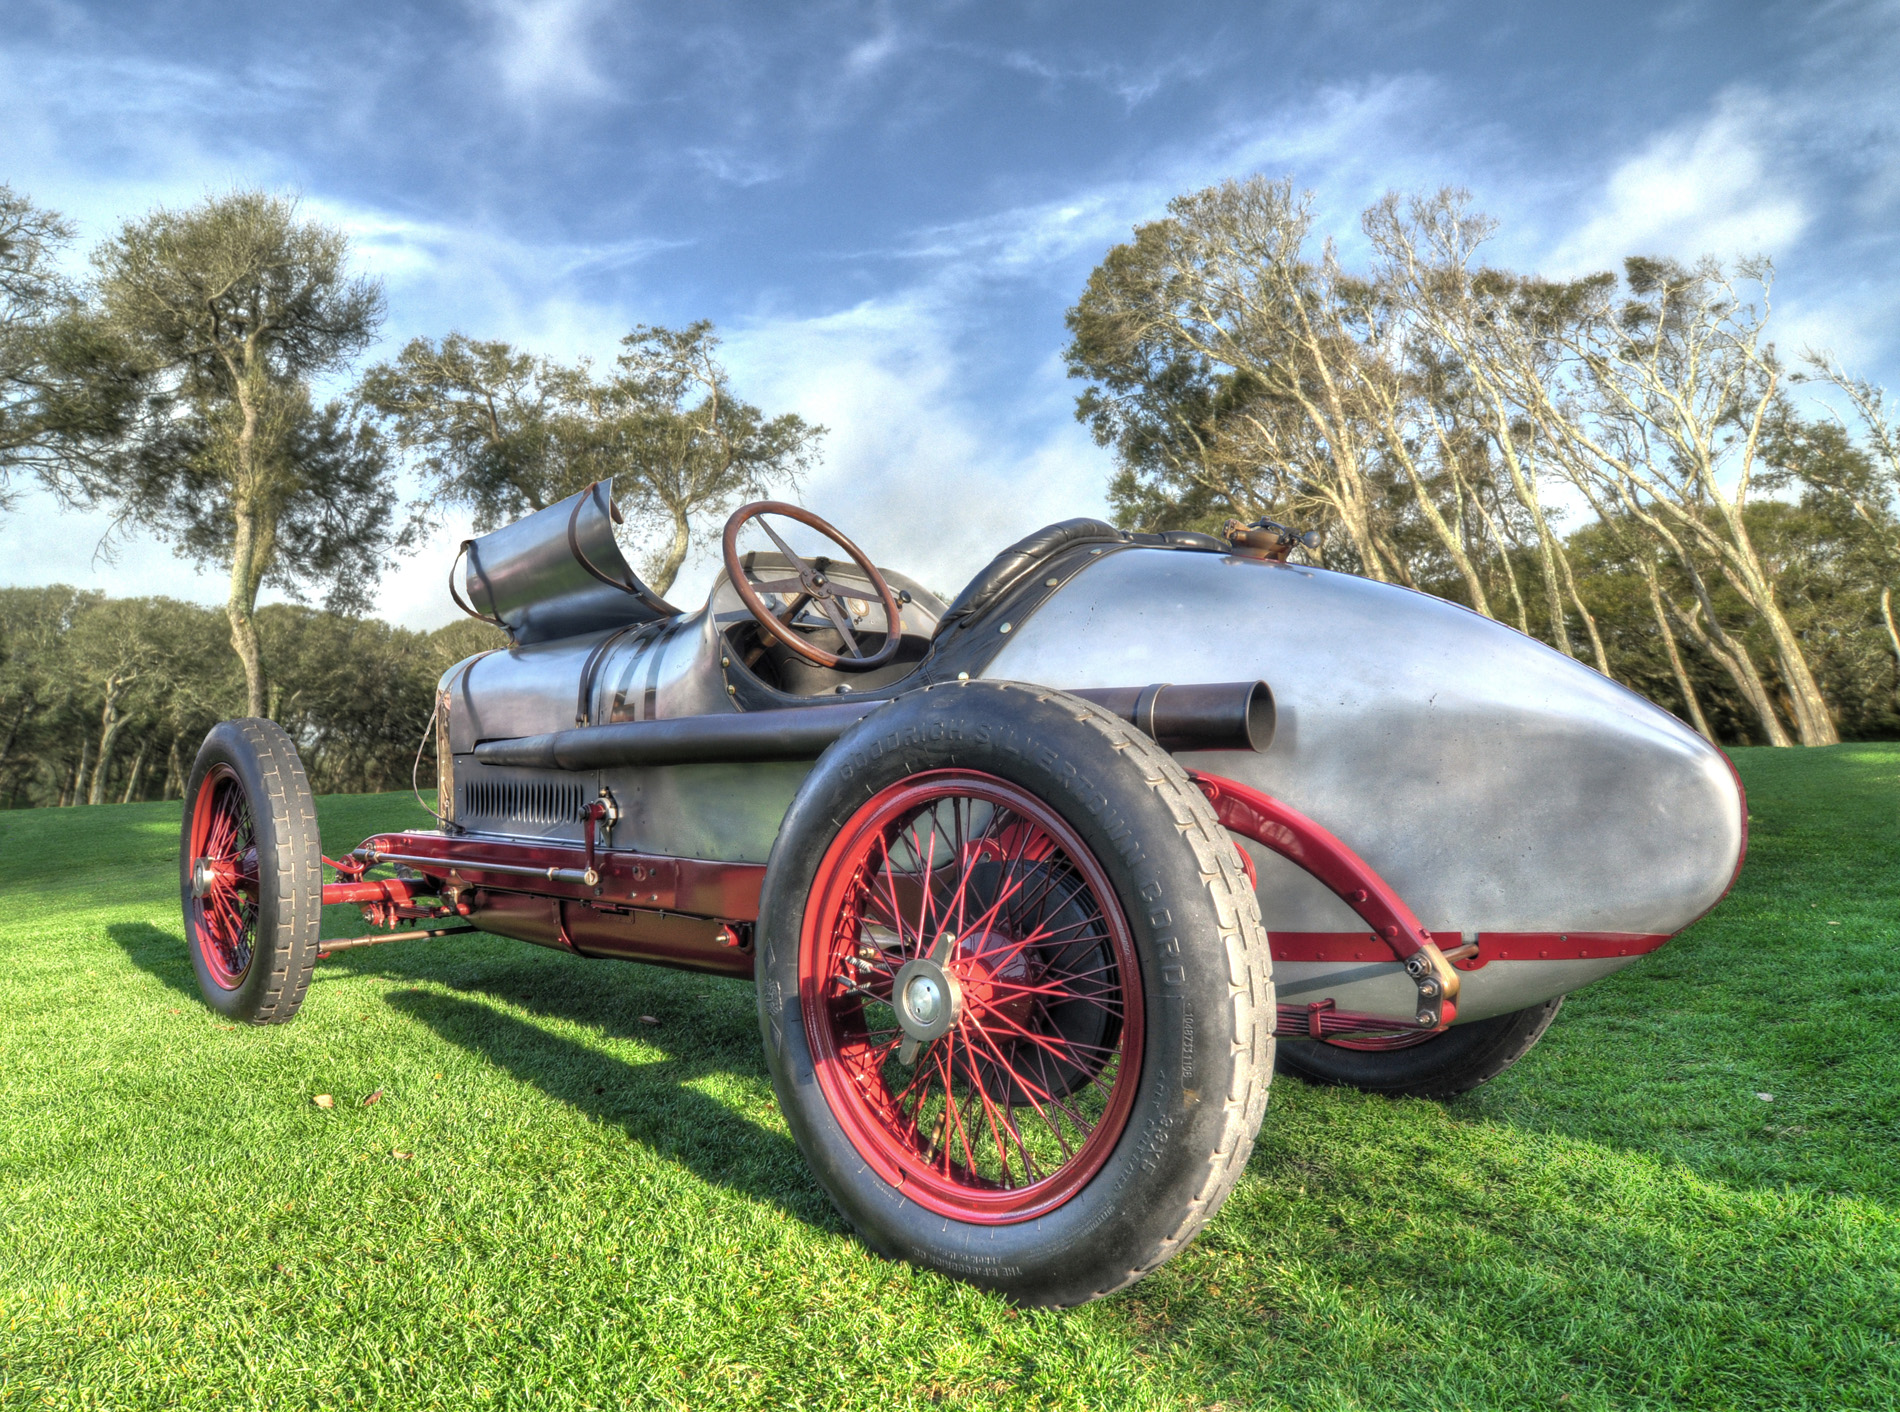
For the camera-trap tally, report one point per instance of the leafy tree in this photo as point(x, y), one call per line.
point(503, 433)
point(224, 313)
point(484, 421)
point(47, 404)
point(31, 292)
point(1422, 408)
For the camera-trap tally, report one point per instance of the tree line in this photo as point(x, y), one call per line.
point(105, 700)
point(1440, 419)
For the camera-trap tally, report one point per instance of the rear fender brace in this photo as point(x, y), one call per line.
point(1288, 832)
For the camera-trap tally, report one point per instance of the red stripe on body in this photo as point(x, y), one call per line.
point(1348, 947)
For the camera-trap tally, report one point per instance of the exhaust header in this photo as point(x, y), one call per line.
point(1218, 716)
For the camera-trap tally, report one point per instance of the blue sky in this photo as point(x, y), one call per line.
point(888, 209)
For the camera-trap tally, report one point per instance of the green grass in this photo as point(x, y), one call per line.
point(601, 1212)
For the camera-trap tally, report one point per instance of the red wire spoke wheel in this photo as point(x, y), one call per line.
point(972, 996)
point(1015, 994)
point(250, 872)
point(221, 907)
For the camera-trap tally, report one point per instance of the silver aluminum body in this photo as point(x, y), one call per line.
point(651, 671)
point(1496, 784)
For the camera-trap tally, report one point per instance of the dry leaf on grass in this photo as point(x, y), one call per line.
point(323, 1100)
point(376, 1097)
point(648, 1020)
point(401, 1156)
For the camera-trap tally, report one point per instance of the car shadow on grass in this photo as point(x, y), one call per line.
point(707, 1030)
point(158, 953)
point(707, 1033)
point(654, 1104)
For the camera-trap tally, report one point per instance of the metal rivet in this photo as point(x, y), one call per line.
point(725, 661)
point(731, 690)
point(963, 676)
point(1005, 628)
point(1050, 583)
point(1095, 551)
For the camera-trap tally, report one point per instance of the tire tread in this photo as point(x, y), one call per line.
point(1250, 994)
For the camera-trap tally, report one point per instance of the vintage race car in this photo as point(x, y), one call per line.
point(1030, 883)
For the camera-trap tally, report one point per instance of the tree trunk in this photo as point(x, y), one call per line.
point(73, 796)
point(138, 768)
point(1815, 719)
point(1504, 557)
point(1736, 662)
point(1683, 684)
point(250, 541)
point(1524, 485)
point(1893, 636)
point(26, 709)
point(675, 555)
point(1589, 619)
point(109, 723)
point(1743, 569)
point(1452, 541)
point(174, 772)
point(238, 608)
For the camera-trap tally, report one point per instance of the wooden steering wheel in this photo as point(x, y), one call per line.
point(811, 587)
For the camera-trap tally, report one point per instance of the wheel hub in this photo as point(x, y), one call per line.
point(928, 998)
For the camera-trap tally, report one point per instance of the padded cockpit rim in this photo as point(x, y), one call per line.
point(1026, 556)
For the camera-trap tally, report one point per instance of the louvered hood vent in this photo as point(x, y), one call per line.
point(521, 801)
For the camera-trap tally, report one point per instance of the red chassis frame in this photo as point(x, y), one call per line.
point(698, 915)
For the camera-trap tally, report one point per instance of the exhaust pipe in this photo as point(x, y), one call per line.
point(1233, 715)
point(1218, 716)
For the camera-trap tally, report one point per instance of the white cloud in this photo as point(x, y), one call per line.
point(915, 469)
point(541, 49)
point(40, 545)
point(1710, 188)
point(869, 55)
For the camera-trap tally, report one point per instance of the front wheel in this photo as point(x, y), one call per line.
point(251, 872)
point(1015, 992)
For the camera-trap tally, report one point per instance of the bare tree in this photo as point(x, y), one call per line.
point(1871, 497)
point(1429, 256)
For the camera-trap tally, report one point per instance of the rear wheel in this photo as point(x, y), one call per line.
point(251, 872)
point(1421, 1066)
point(1014, 990)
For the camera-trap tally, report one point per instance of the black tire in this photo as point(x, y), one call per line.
point(1201, 959)
point(253, 961)
point(1455, 1062)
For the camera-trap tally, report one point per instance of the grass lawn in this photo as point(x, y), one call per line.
point(557, 1204)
